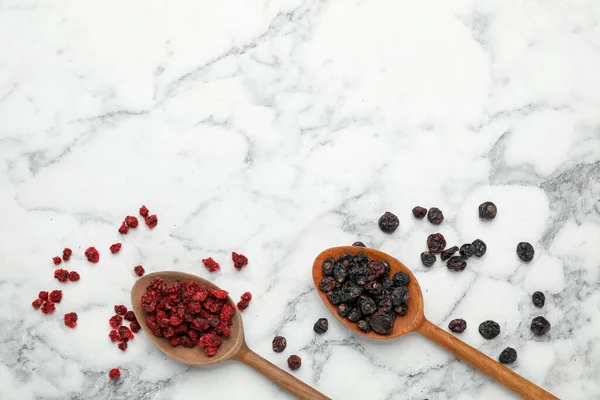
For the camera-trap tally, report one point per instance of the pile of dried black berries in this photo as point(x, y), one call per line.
point(364, 291)
point(436, 243)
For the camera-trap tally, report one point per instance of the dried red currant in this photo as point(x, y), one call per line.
point(388, 222)
point(37, 303)
point(139, 270)
point(67, 254)
point(123, 229)
point(135, 327)
point(131, 221)
point(144, 211)
point(125, 333)
point(56, 260)
point(115, 248)
point(120, 309)
point(114, 335)
point(61, 274)
point(419, 212)
point(55, 296)
point(151, 221)
point(294, 362)
point(457, 325)
point(446, 254)
point(114, 373)
point(74, 276)
point(525, 251)
point(211, 264)
point(487, 210)
point(115, 321)
point(71, 320)
point(210, 351)
point(48, 307)
point(436, 243)
point(92, 255)
point(122, 346)
point(239, 260)
point(43, 295)
point(435, 216)
point(279, 344)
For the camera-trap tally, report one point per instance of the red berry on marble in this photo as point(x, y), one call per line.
point(55, 296)
point(123, 229)
point(144, 211)
point(115, 321)
point(37, 303)
point(71, 320)
point(43, 295)
point(115, 248)
point(56, 260)
point(120, 309)
point(74, 276)
point(92, 255)
point(131, 221)
point(211, 264)
point(139, 270)
point(151, 221)
point(67, 254)
point(114, 373)
point(239, 260)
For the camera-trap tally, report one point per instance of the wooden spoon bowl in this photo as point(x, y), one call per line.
point(232, 348)
point(415, 320)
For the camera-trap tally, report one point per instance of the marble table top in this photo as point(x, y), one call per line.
point(279, 128)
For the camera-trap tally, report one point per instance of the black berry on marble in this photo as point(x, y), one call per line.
point(465, 250)
point(457, 325)
point(508, 356)
point(478, 248)
point(388, 222)
point(446, 254)
point(327, 266)
point(435, 215)
point(402, 309)
point(321, 326)
point(487, 210)
point(358, 244)
point(538, 299)
point(457, 263)
point(525, 251)
point(401, 279)
point(489, 329)
point(279, 344)
point(540, 326)
point(436, 243)
point(419, 212)
point(364, 326)
point(428, 259)
point(327, 284)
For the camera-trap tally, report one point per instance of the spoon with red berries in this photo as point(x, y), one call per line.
point(232, 348)
point(415, 320)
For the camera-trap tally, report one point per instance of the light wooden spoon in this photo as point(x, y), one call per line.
point(232, 348)
point(415, 320)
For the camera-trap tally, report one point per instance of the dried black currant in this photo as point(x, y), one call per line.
point(361, 259)
point(525, 251)
point(321, 326)
point(351, 292)
point(465, 250)
point(457, 263)
point(375, 269)
point(428, 259)
point(436, 243)
point(335, 296)
point(327, 284)
point(385, 305)
point(387, 269)
point(345, 259)
point(446, 254)
point(388, 222)
point(508, 356)
point(538, 299)
point(487, 210)
point(358, 244)
point(478, 248)
point(457, 325)
point(279, 344)
point(489, 329)
point(344, 309)
point(327, 266)
point(401, 279)
point(402, 309)
point(358, 274)
point(540, 326)
point(382, 322)
point(435, 216)
point(339, 272)
point(367, 305)
point(419, 212)
point(355, 315)
point(399, 295)
point(374, 287)
point(364, 326)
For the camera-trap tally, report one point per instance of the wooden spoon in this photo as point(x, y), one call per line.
point(232, 348)
point(415, 320)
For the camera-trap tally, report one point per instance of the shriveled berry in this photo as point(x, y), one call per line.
point(364, 326)
point(56, 260)
point(419, 212)
point(74, 276)
point(508, 356)
point(139, 270)
point(66, 256)
point(540, 326)
point(71, 320)
point(446, 254)
point(478, 248)
point(131, 221)
point(125, 333)
point(457, 263)
point(244, 302)
point(151, 221)
point(129, 316)
point(327, 283)
point(92, 255)
point(115, 321)
point(399, 295)
point(114, 335)
point(144, 211)
point(355, 315)
point(279, 344)
point(436, 243)
point(402, 309)
point(120, 309)
point(123, 229)
point(525, 251)
point(435, 215)
point(239, 260)
point(48, 307)
point(62, 275)
point(294, 362)
point(401, 279)
point(358, 273)
point(115, 248)
point(457, 325)
point(246, 296)
point(122, 346)
point(385, 304)
point(55, 296)
point(211, 264)
point(367, 305)
point(114, 373)
point(382, 322)
point(37, 303)
point(487, 210)
point(375, 269)
point(321, 326)
point(388, 222)
point(210, 351)
point(538, 299)
point(344, 309)
point(43, 295)
point(335, 296)
point(465, 250)
point(327, 266)
point(428, 259)
point(489, 329)
point(135, 327)
point(340, 273)
point(358, 244)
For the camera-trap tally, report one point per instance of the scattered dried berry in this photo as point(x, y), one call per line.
point(487, 210)
point(388, 222)
point(435, 215)
point(211, 264)
point(508, 356)
point(56, 260)
point(446, 254)
point(419, 212)
point(92, 255)
point(123, 229)
point(139, 270)
point(114, 335)
point(129, 315)
point(457, 325)
point(43, 295)
point(239, 260)
point(321, 326)
point(115, 321)
point(358, 244)
point(465, 250)
point(62, 275)
point(540, 326)
point(294, 362)
point(55, 296)
point(436, 243)
point(382, 322)
point(122, 346)
point(115, 248)
point(525, 251)
point(71, 320)
point(144, 211)
point(135, 327)
point(538, 299)
point(132, 222)
point(364, 326)
point(67, 254)
point(489, 329)
point(279, 344)
point(74, 276)
point(114, 373)
point(457, 263)
point(151, 221)
point(125, 333)
point(120, 309)
point(478, 248)
point(37, 303)
point(245, 301)
point(428, 259)
point(48, 307)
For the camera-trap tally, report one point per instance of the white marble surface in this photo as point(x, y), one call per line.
point(278, 128)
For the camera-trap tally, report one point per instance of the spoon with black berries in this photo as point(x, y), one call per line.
point(339, 282)
point(231, 348)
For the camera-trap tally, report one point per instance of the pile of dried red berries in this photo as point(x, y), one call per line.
point(47, 301)
point(364, 291)
point(120, 333)
point(239, 261)
point(188, 313)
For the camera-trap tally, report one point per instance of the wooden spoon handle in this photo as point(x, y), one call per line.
point(485, 364)
point(287, 381)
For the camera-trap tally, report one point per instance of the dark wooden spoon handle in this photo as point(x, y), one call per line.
point(287, 381)
point(485, 364)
